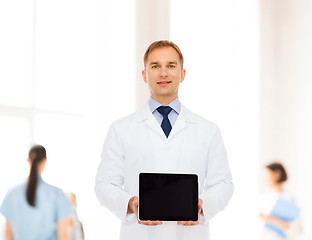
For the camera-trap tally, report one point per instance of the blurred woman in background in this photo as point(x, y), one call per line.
point(36, 210)
point(278, 210)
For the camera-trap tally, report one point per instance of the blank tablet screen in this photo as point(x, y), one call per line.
point(168, 197)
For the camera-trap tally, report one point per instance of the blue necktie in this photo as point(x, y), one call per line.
point(165, 124)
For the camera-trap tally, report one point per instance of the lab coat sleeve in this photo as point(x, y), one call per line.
point(110, 176)
point(218, 187)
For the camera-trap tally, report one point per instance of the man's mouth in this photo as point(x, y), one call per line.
point(163, 83)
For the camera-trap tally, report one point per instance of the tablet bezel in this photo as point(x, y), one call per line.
point(192, 177)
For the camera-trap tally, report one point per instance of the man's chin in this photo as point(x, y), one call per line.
point(165, 95)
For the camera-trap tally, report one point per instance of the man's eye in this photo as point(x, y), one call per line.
point(171, 66)
point(155, 66)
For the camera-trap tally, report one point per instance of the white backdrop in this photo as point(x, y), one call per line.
point(67, 67)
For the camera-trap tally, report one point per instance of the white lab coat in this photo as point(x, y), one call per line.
point(137, 144)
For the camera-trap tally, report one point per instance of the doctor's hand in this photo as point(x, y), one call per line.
point(192, 223)
point(133, 206)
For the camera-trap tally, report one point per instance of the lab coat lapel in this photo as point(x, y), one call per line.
point(185, 117)
point(145, 116)
point(181, 122)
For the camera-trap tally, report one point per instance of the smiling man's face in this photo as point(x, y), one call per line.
point(163, 73)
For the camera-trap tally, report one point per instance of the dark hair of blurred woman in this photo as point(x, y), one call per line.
point(37, 154)
point(279, 169)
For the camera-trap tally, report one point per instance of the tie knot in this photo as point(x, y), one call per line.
point(164, 110)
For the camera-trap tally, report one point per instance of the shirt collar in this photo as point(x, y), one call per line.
point(175, 105)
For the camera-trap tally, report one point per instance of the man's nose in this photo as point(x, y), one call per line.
point(163, 72)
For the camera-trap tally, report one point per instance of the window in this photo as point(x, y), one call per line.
point(67, 71)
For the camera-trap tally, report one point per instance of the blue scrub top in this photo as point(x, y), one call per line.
point(39, 222)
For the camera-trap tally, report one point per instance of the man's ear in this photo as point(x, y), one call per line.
point(182, 75)
point(144, 76)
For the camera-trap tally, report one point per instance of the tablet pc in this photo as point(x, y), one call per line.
point(168, 197)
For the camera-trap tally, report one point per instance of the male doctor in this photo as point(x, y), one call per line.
point(166, 137)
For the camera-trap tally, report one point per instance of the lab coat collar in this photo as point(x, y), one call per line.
point(185, 117)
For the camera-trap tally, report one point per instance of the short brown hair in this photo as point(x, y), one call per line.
point(162, 44)
point(278, 167)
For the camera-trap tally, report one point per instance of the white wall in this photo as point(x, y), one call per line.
point(286, 94)
point(152, 22)
point(220, 43)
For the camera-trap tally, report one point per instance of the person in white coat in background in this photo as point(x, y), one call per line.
point(166, 137)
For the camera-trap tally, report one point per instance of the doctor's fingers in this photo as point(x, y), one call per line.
point(200, 204)
point(150, 223)
point(135, 203)
point(135, 207)
point(188, 223)
point(199, 210)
